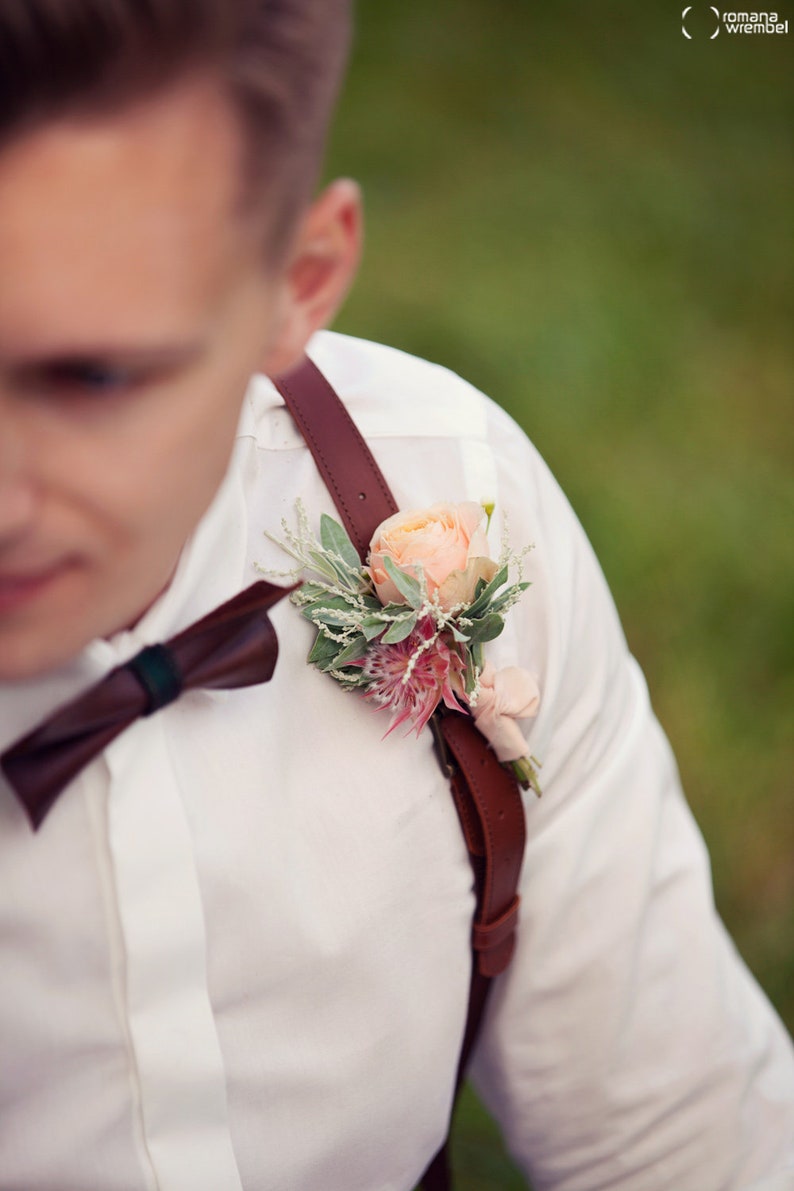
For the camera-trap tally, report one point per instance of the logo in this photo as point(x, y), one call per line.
point(684, 29)
point(730, 22)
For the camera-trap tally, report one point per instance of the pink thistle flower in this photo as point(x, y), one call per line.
point(411, 680)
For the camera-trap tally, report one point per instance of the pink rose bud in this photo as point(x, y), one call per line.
point(445, 540)
point(505, 696)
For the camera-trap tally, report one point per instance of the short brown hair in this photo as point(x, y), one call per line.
point(281, 61)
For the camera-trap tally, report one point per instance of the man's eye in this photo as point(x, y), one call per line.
point(87, 376)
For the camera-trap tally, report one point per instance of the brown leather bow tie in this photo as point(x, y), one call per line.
point(233, 646)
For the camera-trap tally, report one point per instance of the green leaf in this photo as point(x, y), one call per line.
point(486, 628)
point(372, 628)
point(326, 611)
point(392, 611)
point(480, 605)
point(351, 653)
point(323, 565)
point(310, 592)
point(399, 630)
point(323, 652)
point(498, 604)
point(372, 603)
point(335, 539)
point(355, 677)
point(329, 617)
point(405, 584)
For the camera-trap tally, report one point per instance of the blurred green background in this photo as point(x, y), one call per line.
point(590, 217)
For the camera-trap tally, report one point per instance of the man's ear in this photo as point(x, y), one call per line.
point(318, 273)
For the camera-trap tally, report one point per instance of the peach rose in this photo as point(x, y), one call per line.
point(446, 540)
point(505, 696)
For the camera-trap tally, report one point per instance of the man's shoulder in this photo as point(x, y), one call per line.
point(360, 367)
point(388, 392)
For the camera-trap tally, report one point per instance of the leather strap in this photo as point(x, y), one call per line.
point(343, 459)
point(486, 795)
point(492, 817)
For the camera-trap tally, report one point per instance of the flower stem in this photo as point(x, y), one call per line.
point(526, 772)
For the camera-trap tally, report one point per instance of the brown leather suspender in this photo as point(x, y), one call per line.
point(344, 460)
point(486, 795)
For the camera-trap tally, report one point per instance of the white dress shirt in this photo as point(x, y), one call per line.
point(237, 953)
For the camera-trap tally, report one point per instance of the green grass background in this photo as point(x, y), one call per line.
point(590, 217)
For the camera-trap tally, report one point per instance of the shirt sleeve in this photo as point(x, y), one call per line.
point(627, 1046)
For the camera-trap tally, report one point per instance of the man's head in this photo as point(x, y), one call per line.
point(279, 62)
point(157, 246)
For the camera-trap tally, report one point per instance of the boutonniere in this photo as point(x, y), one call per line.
point(408, 629)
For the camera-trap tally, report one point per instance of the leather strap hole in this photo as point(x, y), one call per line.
point(362, 496)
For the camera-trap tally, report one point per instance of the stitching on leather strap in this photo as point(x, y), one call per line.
point(467, 813)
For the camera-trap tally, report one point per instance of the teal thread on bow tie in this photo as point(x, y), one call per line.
point(157, 672)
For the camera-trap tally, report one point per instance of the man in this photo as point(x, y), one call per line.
point(237, 952)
